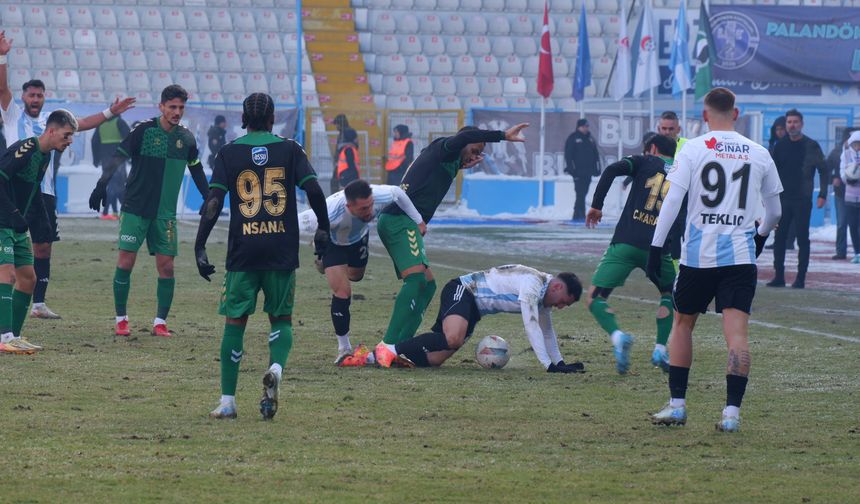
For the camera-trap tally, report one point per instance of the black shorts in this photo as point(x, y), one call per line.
point(457, 300)
point(42, 231)
point(354, 256)
point(731, 286)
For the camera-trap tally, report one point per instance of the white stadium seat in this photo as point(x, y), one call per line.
point(114, 80)
point(407, 23)
point(198, 20)
point(612, 26)
point(224, 42)
point(531, 66)
point(514, 86)
point(113, 60)
point(519, 103)
point(232, 83)
point(154, 40)
point(131, 41)
point(19, 58)
point(600, 67)
point(201, 41)
point(395, 85)
point(487, 66)
point(503, 47)
point(256, 83)
point(85, 38)
point(420, 85)
point(46, 76)
point(400, 103)
point(209, 82)
point(417, 65)
point(105, 17)
point(476, 25)
point(144, 98)
point(498, 102)
point(479, 46)
point(244, 21)
point(160, 80)
point(511, 66)
point(450, 5)
point(490, 86)
point(522, 25)
point(454, 25)
point(58, 17)
point(267, 21)
point(35, 16)
point(379, 4)
point(276, 62)
point(206, 61)
point(430, 24)
point(289, 24)
point(12, 15)
point(560, 66)
point(425, 4)
point(471, 5)
point(38, 37)
point(89, 59)
point(607, 6)
point(94, 96)
point(473, 102)
point(128, 18)
point(247, 42)
point(211, 98)
point(499, 25)
point(18, 35)
point(597, 46)
point(444, 86)
point(188, 81)
point(174, 19)
point(441, 65)
point(525, 47)
point(402, 4)
point(562, 6)
point(515, 5)
point(18, 77)
point(468, 86)
point(183, 60)
point(229, 62)
point(270, 42)
point(385, 44)
point(457, 46)
point(66, 59)
point(42, 58)
point(464, 65)
point(281, 84)
point(391, 65)
point(433, 45)
point(562, 87)
point(426, 102)
point(253, 62)
point(221, 20)
point(570, 47)
point(150, 19)
point(177, 41)
point(136, 60)
point(61, 38)
point(450, 102)
point(567, 26)
point(594, 27)
point(91, 80)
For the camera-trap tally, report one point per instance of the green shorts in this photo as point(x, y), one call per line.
point(15, 248)
point(160, 234)
point(239, 293)
point(402, 240)
point(621, 259)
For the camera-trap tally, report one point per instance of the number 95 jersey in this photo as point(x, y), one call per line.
point(260, 171)
point(726, 176)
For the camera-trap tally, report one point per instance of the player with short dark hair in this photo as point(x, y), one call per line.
point(426, 182)
point(349, 212)
point(22, 168)
point(159, 149)
point(630, 245)
point(260, 171)
point(728, 178)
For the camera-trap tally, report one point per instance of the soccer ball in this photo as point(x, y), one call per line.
point(852, 173)
point(493, 352)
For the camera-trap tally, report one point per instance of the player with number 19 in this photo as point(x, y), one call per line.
point(727, 178)
point(260, 171)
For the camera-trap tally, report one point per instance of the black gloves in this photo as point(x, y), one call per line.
point(203, 267)
point(19, 224)
point(759, 242)
point(98, 198)
point(561, 367)
point(655, 263)
point(321, 240)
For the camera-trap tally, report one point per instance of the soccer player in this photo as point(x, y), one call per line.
point(630, 246)
point(159, 149)
point(513, 288)
point(728, 177)
point(20, 124)
point(260, 171)
point(349, 212)
point(22, 168)
point(426, 182)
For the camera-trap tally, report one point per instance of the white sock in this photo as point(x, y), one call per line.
point(158, 321)
point(6, 337)
point(228, 400)
point(37, 305)
point(732, 411)
point(343, 342)
point(392, 348)
point(121, 318)
point(660, 347)
point(677, 403)
point(277, 369)
point(371, 359)
point(616, 337)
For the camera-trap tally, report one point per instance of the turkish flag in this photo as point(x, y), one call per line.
point(545, 80)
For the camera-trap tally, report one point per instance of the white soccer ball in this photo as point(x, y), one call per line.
point(852, 173)
point(493, 352)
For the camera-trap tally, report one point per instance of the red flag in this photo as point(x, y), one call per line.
point(545, 80)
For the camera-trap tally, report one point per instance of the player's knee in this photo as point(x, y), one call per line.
point(25, 279)
point(42, 250)
point(455, 340)
point(7, 274)
point(356, 275)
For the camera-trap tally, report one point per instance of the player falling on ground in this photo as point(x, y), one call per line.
point(513, 288)
point(727, 177)
point(426, 182)
point(349, 212)
point(630, 245)
point(260, 171)
point(22, 168)
point(20, 124)
point(159, 149)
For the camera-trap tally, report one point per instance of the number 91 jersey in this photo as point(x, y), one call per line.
point(726, 176)
point(260, 171)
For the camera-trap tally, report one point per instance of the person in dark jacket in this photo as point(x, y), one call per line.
point(106, 139)
point(217, 138)
point(777, 133)
point(348, 161)
point(400, 155)
point(582, 161)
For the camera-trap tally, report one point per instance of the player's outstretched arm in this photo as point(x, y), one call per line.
point(618, 169)
point(199, 178)
point(208, 217)
point(116, 108)
point(5, 93)
point(98, 197)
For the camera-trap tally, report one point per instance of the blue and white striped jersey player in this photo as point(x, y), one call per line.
point(349, 212)
point(513, 288)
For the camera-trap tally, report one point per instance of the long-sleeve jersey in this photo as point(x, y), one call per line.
point(346, 228)
point(22, 168)
point(515, 288)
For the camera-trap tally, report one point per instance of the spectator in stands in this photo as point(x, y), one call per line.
point(217, 138)
point(400, 155)
point(348, 161)
point(849, 170)
point(777, 132)
point(834, 161)
point(582, 161)
point(106, 139)
point(797, 157)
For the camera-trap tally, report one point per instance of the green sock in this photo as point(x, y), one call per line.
point(121, 286)
point(20, 307)
point(405, 307)
point(664, 325)
point(5, 308)
point(164, 295)
point(280, 342)
point(231, 356)
point(408, 331)
point(606, 319)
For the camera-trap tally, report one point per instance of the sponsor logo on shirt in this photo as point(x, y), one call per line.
point(260, 155)
point(728, 150)
point(128, 238)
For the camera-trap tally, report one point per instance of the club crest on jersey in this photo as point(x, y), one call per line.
point(260, 155)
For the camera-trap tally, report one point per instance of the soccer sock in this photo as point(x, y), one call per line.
point(664, 325)
point(280, 342)
point(164, 295)
point(678, 377)
point(424, 299)
point(20, 308)
point(5, 308)
point(121, 286)
point(231, 356)
point(405, 305)
point(417, 348)
point(42, 265)
point(340, 316)
point(605, 318)
point(736, 386)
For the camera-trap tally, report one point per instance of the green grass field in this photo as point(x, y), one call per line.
point(95, 418)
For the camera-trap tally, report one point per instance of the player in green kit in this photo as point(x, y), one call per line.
point(631, 243)
point(159, 149)
point(22, 168)
point(426, 182)
point(260, 171)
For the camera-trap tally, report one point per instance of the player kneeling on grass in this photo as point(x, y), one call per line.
point(260, 171)
point(728, 178)
point(22, 168)
point(513, 288)
point(349, 212)
point(630, 244)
